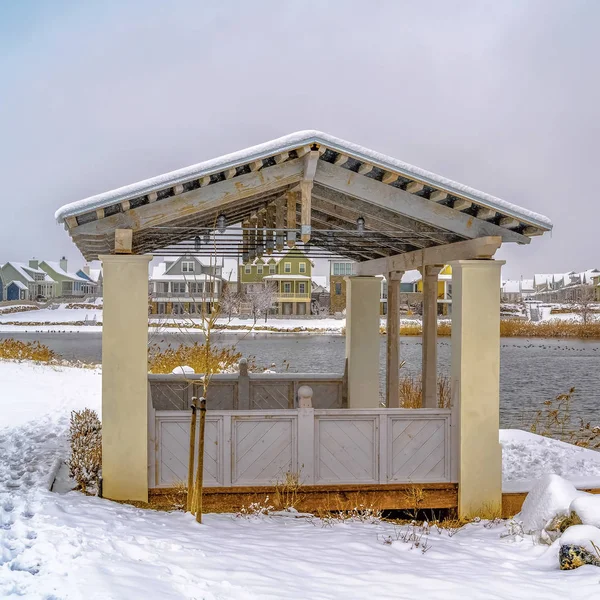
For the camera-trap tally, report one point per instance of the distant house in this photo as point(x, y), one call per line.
point(185, 285)
point(26, 281)
point(69, 284)
point(564, 287)
point(319, 295)
point(93, 275)
point(291, 276)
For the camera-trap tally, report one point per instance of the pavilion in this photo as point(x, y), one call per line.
point(328, 197)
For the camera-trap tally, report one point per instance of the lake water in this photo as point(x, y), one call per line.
point(531, 371)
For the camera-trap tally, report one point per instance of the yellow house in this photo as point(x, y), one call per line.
point(444, 293)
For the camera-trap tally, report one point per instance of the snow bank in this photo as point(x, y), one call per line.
point(551, 497)
point(526, 457)
point(587, 509)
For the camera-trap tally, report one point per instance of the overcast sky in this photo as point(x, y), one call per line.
point(502, 96)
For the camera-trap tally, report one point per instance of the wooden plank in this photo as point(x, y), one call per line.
point(461, 204)
point(389, 177)
point(280, 222)
point(484, 247)
point(509, 223)
point(365, 168)
point(407, 204)
point(438, 196)
point(313, 498)
point(485, 214)
point(393, 341)
point(414, 186)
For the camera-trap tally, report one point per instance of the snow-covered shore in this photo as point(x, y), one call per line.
point(71, 546)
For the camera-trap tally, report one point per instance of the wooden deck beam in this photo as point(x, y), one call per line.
point(481, 248)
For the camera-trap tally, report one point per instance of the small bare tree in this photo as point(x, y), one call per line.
point(230, 301)
point(261, 298)
point(584, 303)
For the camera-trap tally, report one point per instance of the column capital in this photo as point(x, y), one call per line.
point(430, 270)
point(125, 258)
point(482, 263)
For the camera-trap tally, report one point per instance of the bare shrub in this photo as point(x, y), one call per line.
point(11, 349)
point(85, 436)
point(410, 392)
point(288, 491)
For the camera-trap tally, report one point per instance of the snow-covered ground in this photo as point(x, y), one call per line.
point(67, 546)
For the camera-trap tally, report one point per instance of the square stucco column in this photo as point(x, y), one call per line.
point(476, 386)
point(125, 377)
point(362, 341)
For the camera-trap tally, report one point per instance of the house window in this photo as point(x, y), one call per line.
point(187, 266)
point(178, 287)
point(271, 269)
point(287, 267)
point(302, 267)
point(259, 269)
point(338, 289)
point(302, 288)
point(287, 287)
point(349, 268)
point(248, 269)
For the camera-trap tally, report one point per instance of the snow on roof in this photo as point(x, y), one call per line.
point(19, 284)
point(411, 277)
point(60, 271)
point(291, 142)
point(320, 280)
point(511, 286)
point(25, 271)
point(527, 284)
point(184, 277)
point(95, 274)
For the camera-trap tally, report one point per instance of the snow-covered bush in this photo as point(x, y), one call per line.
point(85, 435)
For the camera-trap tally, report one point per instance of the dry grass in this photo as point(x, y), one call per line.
point(410, 391)
point(517, 328)
point(202, 358)
point(17, 309)
point(288, 491)
point(11, 349)
point(555, 420)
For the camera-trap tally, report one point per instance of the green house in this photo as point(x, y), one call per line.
point(290, 275)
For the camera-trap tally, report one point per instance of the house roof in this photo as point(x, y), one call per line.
point(511, 286)
point(25, 271)
point(55, 266)
point(18, 283)
point(408, 206)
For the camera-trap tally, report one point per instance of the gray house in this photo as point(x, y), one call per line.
point(185, 285)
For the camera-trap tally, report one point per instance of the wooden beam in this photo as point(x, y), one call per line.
point(365, 168)
point(255, 165)
point(100, 213)
point(389, 178)
point(485, 214)
point(310, 167)
point(125, 205)
point(177, 189)
point(281, 157)
point(461, 204)
point(204, 181)
point(413, 187)
point(532, 231)
point(230, 173)
point(280, 223)
point(71, 222)
point(123, 241)
point(402, 202)
point(152, 196)
point(509, 223)
point(479, 248)
point(438, 196)
point(300, 152)
point(291, 218)
point(341, 159)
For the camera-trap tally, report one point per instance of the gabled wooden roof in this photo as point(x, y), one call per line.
point(267, 187)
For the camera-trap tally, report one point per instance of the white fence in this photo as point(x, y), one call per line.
point(253, 448)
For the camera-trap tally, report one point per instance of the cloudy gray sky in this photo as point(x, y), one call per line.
point(503, 96)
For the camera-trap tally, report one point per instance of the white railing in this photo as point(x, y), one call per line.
point(340, 446)
point(293, 296)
